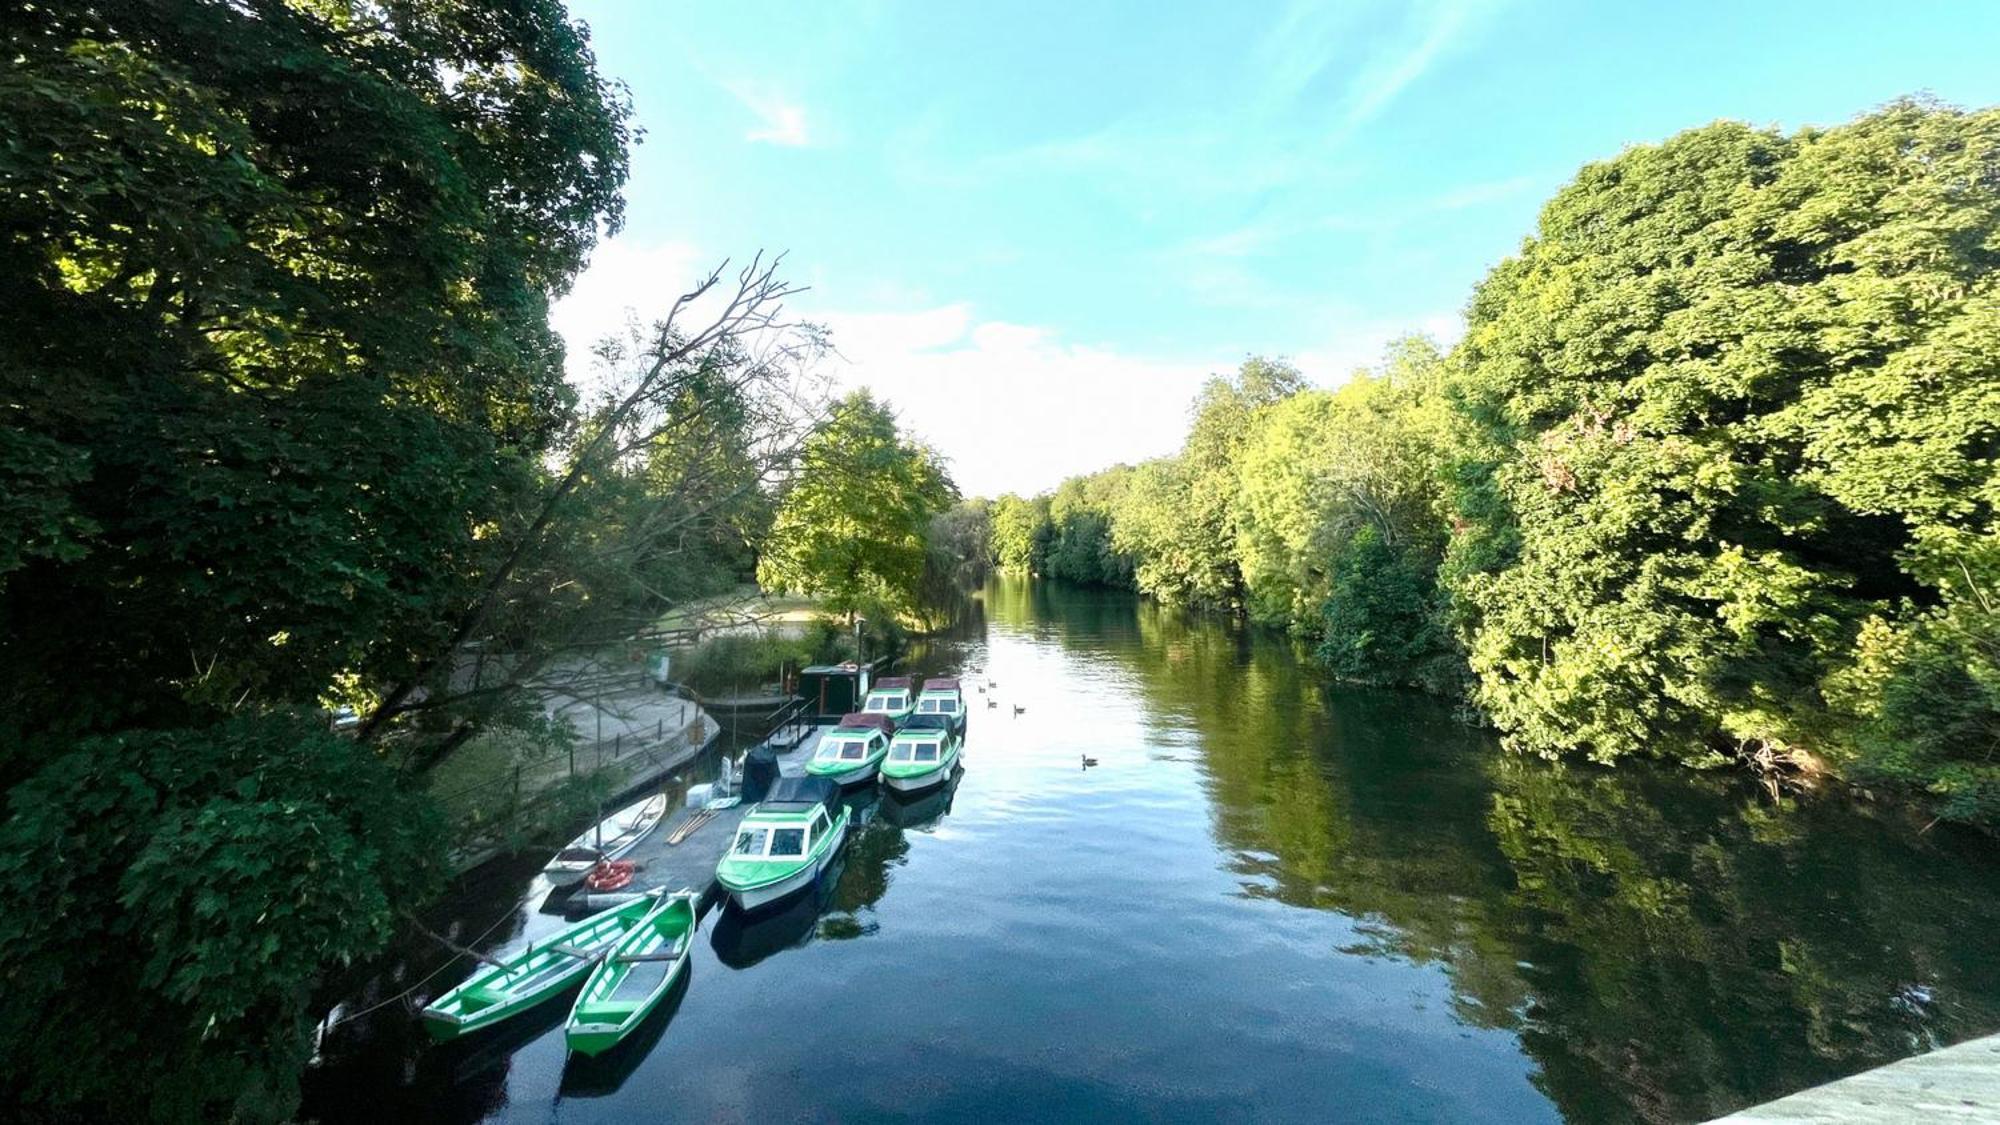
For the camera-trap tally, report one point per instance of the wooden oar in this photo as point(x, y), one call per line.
point(690, 826)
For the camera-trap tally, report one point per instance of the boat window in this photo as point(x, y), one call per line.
point(900, 752)
point(750, 841)
point(944, 705)
point(840, 748)
point(788, 841)
point(927, 752)
point(853, 751)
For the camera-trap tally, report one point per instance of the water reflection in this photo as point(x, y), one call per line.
point(921, 812)
point(1667, 947)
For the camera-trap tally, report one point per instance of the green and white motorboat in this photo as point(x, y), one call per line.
point(784, 842)
point(850, 753)
point(943, 696)
point(922, 754)
point(537, 972)
point(628, 984)
point(892, 697)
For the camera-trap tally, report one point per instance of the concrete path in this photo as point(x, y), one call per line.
point(1955, 1085)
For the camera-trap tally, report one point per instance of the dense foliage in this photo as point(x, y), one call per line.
point(1711, 475)
point(1732, 418)
point(275, 377)
point(852, 528)
point(178, 893)
point(277, 278)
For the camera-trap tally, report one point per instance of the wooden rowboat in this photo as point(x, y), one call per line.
point(627, 985)
point(537, 972)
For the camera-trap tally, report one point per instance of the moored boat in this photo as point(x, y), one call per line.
point(922, 754)
point(627, 985)
point(850, 753)
point(943, 696)
point(609, 839)
point(537, 972)
point(784, 842)
point(892, 697)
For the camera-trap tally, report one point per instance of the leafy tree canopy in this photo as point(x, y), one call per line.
point(851, 528)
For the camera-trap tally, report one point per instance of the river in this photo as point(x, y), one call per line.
point(1268, 900)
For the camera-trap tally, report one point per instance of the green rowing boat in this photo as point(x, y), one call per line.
point(540, 970)
point(626, 986)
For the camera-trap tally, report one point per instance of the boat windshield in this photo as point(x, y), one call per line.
point(900, 752)
point(927, 751)
point(751, 841)
point(788, 842)
point(839, 749)
point(937, 706)
point(883, 702)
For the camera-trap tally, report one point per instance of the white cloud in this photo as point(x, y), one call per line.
point(780, 121)
point(625, 281)
point(1362, 343)
point(1014, 407)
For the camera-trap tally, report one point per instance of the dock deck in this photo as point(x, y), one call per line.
point(690, 864)
point(1954, 1084)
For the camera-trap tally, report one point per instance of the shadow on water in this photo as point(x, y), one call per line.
point(920, 812)
point(606, 1074)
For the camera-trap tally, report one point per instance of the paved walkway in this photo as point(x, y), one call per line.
point(1956, 1084)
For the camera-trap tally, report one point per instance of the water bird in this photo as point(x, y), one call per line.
point(1018, 708)
point(1088, 761)
point(993, 703)
point(982, 691)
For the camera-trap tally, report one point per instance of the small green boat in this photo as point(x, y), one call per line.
point(892, 697)
point(626, 986)
point(849, 753)
point(942, 696)
point(784, 842)
point(540, 970)
point(922, 754)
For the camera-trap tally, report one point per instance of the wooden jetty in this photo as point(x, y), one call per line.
point(1954, 1085)
point(681, 853)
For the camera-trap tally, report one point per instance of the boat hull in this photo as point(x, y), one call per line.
point(917, 783)
point(859, 776)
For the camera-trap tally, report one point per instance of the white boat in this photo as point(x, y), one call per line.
point(611, 838)
point(784, 842)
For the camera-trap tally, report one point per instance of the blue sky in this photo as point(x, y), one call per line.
point(1037, 227)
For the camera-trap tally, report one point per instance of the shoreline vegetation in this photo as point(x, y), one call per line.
point(300, 503)
point(1712, 476)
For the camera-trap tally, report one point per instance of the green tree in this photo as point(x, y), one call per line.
point(191, 887)
point(851, 528)
point(277, 381)
point(1178, 518)
point(1735, 399)
point(1020, 534)
point(277, 342)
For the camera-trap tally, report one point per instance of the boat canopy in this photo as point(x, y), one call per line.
point(941, 683)
point(857, 722)
point(799, 794)
point(892, 683)
point(926, 722)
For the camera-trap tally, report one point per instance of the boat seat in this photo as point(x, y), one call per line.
point(483, 996)
point(678, 951)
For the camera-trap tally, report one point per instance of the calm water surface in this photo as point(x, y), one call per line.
point(1268, 901)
